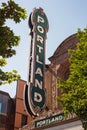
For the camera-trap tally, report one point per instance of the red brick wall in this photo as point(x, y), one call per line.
point(20, 109)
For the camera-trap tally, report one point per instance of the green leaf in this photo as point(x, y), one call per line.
point(8, 40)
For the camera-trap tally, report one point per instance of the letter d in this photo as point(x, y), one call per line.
point(37, 97)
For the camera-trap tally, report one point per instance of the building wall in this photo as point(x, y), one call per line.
point(51, 87)
point(21, 116)
point(13, 114)
point(7, 108)
point(48, 79)
point(58, 68)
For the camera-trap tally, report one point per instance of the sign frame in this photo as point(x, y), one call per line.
point(34, 92)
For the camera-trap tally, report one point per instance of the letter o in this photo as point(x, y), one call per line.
point(40, 29)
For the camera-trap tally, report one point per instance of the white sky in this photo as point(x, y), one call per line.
point(64, 16)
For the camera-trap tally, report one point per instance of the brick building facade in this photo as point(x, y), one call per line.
point(7, 111)
point(59, 67)
point(21, 116)
point(12, 111)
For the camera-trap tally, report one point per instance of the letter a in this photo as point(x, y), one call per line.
point(38, 71)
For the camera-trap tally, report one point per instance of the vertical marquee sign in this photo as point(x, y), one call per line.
point(34, 93)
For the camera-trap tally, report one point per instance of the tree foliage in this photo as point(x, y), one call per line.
point(74, 89)
point(8, 39)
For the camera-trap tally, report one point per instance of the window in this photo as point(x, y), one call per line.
point(3, 102)
point(0, 106)
point(24, 120)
